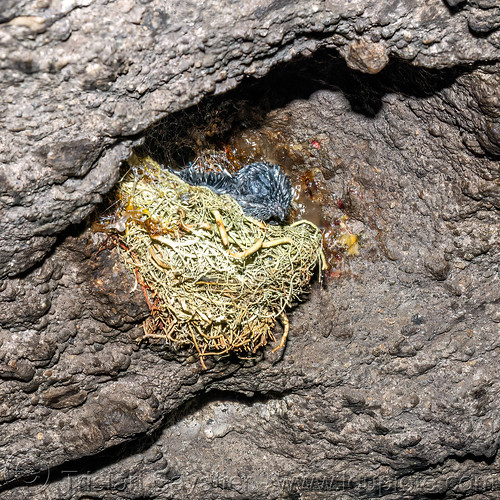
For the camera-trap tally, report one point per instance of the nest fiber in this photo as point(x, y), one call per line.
point(214, 278)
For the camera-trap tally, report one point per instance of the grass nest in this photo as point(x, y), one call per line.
point(214, 278)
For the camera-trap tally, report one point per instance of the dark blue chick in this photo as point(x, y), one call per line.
point(262, 189)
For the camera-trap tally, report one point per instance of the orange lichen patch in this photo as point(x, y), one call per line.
point(350, 241)
point(339, 242)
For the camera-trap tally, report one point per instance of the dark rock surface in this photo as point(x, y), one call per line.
point(389, 385)
point(80, 78)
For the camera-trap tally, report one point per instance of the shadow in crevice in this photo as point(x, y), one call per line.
point(178, 138)
point(80, 471)
point(487, 460)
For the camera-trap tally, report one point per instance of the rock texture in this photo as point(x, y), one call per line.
point(389, 384)
point(80, 78)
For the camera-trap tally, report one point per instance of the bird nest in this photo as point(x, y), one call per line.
point(214, 278)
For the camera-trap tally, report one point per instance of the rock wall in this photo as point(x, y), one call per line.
point(389, 383)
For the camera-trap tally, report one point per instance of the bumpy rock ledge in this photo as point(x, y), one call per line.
point(389, 383)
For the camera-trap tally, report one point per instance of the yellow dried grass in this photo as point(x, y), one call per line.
point(216, 279)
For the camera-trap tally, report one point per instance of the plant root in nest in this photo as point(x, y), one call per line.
point(214, 278)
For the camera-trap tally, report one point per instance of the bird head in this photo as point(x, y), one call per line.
point(264, 191)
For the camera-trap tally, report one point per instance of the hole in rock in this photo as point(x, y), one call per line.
point(292, 117)
point(317, 120)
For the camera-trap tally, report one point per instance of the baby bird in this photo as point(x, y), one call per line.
point(262, 189)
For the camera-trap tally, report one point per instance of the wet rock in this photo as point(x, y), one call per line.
point(390, 370)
